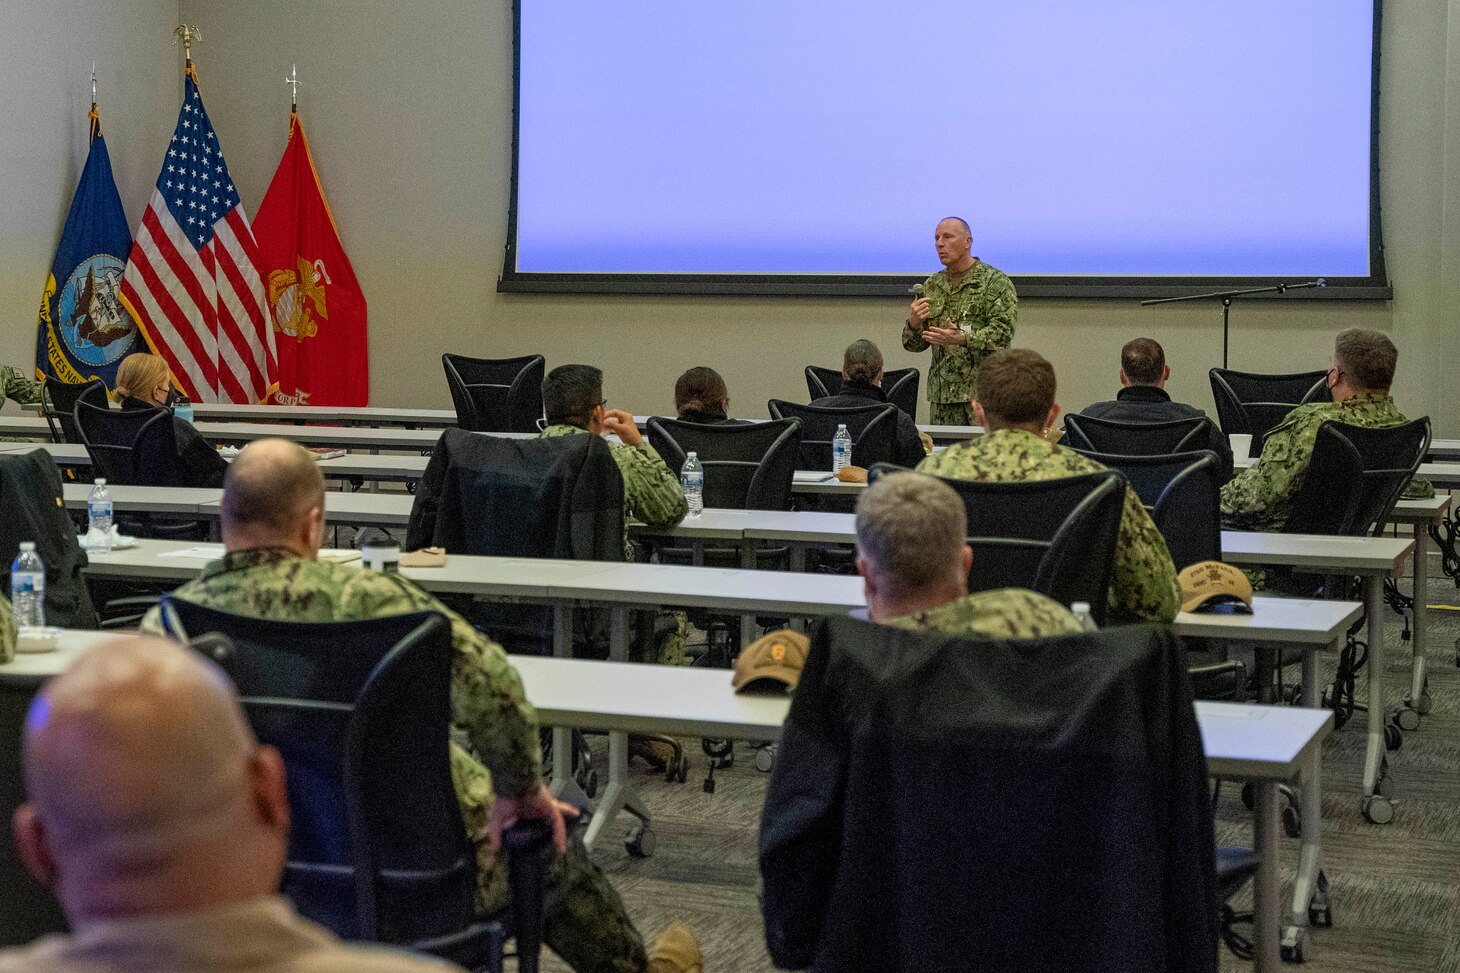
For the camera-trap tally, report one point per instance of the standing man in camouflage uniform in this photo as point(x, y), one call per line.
point(14, 385)
point(573, 404)
point(967, 311)
point(912, 554)
point(273, 524)
point(1016, 404)
point(1359, 377)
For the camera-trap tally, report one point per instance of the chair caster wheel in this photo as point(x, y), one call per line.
point(1378, 809)
point(677, 770)
point(765, 759)
point(1423, 703)
point(1292, 823)
point(709, 785)
point(1292, 944)
point(1406, 718)
point(588, 780)
point(1393, 737)
point(639, 842)
point(1320, 908)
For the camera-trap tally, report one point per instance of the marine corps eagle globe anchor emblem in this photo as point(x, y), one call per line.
point(298, 298)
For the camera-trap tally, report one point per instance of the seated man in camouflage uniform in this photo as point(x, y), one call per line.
point(1015, 405)
point(273, 523)
point(967, 311)
point(913, 555)
point(14, 385)
point(573, 404)
point(1363, 366)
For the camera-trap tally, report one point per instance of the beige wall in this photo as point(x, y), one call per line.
point(408, 108)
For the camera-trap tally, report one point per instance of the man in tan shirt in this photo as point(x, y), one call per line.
point(161, 825)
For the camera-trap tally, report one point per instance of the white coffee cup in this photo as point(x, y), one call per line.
point(1241, 447)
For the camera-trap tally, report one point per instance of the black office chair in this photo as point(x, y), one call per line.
point(1183, 494)
point(58, 405)
point(361, 713)
point(495, 394)
point(1056, 537)
point(748, 466)
point(900, 385)
point(873, 429)
point(31, 496)
point(1090, 434)
point(1253, 404)
point(137, 447)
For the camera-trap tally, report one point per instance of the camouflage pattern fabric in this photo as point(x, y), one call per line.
point(7, 631)
point(982, 302)
point(950, 413)
point(1006, 613)
point(1259, 497)
point(1143, 585)
point(495, 740)
point(14, 385)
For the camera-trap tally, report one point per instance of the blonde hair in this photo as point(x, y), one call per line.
point(138, 375)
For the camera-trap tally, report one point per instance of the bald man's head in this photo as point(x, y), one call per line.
point(273, 495)
point(147, 791)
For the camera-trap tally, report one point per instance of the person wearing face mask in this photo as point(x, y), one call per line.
point(144, 382)
point(1259, 498)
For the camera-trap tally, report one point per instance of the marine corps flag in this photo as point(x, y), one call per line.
point(84, 330)
point(319, 309)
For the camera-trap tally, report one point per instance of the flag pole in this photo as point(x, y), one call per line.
point(188, 35)
point(94, 115)
point(293, 82)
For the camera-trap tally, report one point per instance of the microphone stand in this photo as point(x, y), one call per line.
point(1226, 298)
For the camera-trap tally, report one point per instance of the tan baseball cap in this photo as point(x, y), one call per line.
point(1208, 584)
point(776, 656)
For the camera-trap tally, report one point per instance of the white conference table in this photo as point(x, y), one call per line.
point(1265, 745)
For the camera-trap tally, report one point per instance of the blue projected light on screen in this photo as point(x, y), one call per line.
point(1134, 138)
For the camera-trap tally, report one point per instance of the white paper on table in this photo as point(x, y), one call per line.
point(203, 552)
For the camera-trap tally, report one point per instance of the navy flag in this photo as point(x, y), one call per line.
point(84, 329)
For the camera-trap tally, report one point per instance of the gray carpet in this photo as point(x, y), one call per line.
point(1394, 887)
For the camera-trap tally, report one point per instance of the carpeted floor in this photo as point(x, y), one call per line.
point(1394, 888)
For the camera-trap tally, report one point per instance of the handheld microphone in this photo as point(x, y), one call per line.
point(917, 291)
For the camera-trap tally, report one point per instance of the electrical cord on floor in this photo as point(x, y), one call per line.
point(1445, 535)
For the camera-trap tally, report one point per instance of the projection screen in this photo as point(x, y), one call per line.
point(1127, 148)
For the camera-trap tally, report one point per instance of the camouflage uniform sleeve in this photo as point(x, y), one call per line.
point(1001, 305)
point(651, 492)
point(1256, 498)
point(1143, 585)
point(7, 631)
point(26, 391)
point(912, 339)
point(487, 702)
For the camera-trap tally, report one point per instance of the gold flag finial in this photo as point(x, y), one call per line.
point(188, 35)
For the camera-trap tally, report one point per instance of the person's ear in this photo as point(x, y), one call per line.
point(35, 851)
point(967, 559)
point(1124, 379)
point(868, 585)
point(1165, 374)
point(314, 527)
point(978, 414)
point(1054, 413)
point(268, 790)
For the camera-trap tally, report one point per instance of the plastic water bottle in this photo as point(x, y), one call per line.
point(1081, 611)
point(28, 588)
point(841, 449)
point(99, 518)
point(692, 478)
point(183, 409)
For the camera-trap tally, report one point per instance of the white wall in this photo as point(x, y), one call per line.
point(408, 109)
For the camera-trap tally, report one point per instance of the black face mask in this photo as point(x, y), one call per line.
point(172, 399)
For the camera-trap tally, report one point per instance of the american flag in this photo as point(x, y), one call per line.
point(192, 281)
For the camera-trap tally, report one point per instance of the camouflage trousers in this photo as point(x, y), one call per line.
point(661, 642)
point(584, 919)
point(950, 413)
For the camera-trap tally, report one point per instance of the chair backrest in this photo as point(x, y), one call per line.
point(1090, 434)
point(58, 405)
point(31, 496)
point(1056, 537)
point(748, 466)
point(1251, 403)
point(495, 394)
point(1183, 493)
point(900, 385)
point(873, 429)
point(361, 713)
point(1355, 477)
point(131, 447)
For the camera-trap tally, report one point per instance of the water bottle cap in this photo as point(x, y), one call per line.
point(100, 481)
point(691, 455)
point(27, 546)
point(841, 427)
point(1080, 608)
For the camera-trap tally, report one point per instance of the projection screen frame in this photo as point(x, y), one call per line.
point(1374, 287)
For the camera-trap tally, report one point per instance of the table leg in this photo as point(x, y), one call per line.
point(747, 622)
point(1374, 758)
point(1418, 696)
point(1267, 890)
point(564, 786)
point(620, 795)
point(1310, 855)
